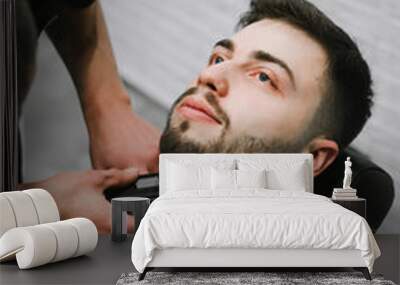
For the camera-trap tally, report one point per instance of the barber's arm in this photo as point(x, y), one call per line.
point(118, 137)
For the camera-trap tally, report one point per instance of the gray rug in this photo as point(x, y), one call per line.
point(229, 278)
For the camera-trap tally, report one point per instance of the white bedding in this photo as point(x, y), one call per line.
point(251, 218)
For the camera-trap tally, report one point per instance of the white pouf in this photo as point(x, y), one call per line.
point(33, 246)
point(23, 208)
point(26, 208)
point(67, 240)
point(7, 218)
point(40, 244)
point(45, 205)
point(87, 233)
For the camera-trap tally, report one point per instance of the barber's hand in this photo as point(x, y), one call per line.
point(120, 138)
point(80, 193)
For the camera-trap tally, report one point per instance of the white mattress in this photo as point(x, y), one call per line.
point(252, 218)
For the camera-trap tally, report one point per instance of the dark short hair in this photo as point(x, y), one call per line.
point(347, 103)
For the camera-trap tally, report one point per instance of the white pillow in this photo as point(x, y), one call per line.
point(236, 179)
point(223, 179)
point(194, 174)
point(281, 174)
point(187, 177)
point(292, 178)
point(251, 178)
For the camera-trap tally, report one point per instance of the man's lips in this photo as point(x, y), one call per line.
point(195, 109)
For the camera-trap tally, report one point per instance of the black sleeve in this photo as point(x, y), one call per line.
point(78, 3)
point(45, 11)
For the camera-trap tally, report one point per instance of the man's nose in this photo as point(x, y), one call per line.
point(215, 78)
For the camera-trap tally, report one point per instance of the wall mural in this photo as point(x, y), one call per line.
point(106, 86)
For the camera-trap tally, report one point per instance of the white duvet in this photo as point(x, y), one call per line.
point(251, 218)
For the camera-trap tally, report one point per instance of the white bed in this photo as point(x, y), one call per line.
point(198, 226)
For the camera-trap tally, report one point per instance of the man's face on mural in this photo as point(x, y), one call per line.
point(258, 93)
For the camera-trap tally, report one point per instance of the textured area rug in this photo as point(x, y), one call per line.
point(229, 278)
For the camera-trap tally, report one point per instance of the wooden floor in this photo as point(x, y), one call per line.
point(106, 264)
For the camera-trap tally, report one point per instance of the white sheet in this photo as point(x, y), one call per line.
point(251, 218)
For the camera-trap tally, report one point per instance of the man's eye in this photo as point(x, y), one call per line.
point(218, 59)
point(263, 77)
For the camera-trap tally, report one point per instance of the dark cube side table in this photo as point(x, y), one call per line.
point(358, 205)
point(120, 206)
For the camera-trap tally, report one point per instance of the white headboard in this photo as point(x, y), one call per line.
point(211, 159)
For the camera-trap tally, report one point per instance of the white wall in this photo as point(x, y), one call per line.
point(161, 45)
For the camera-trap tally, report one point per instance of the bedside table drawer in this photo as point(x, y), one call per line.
point(358, 206)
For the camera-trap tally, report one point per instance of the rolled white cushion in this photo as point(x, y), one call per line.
point(33, 246)
point(67, 240)
point(7, 218)
point(23, 208)
point(37, 245)
point(45, 205)
point(87, 235)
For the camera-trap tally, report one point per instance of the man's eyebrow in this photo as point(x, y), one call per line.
point(225, 43)
point(265, 56)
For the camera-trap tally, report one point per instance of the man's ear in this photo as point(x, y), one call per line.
point(324, 151)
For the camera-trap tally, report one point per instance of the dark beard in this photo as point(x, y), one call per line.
point(172, 140)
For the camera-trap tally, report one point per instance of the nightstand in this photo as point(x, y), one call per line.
point(358, 205)
point(120, 206)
